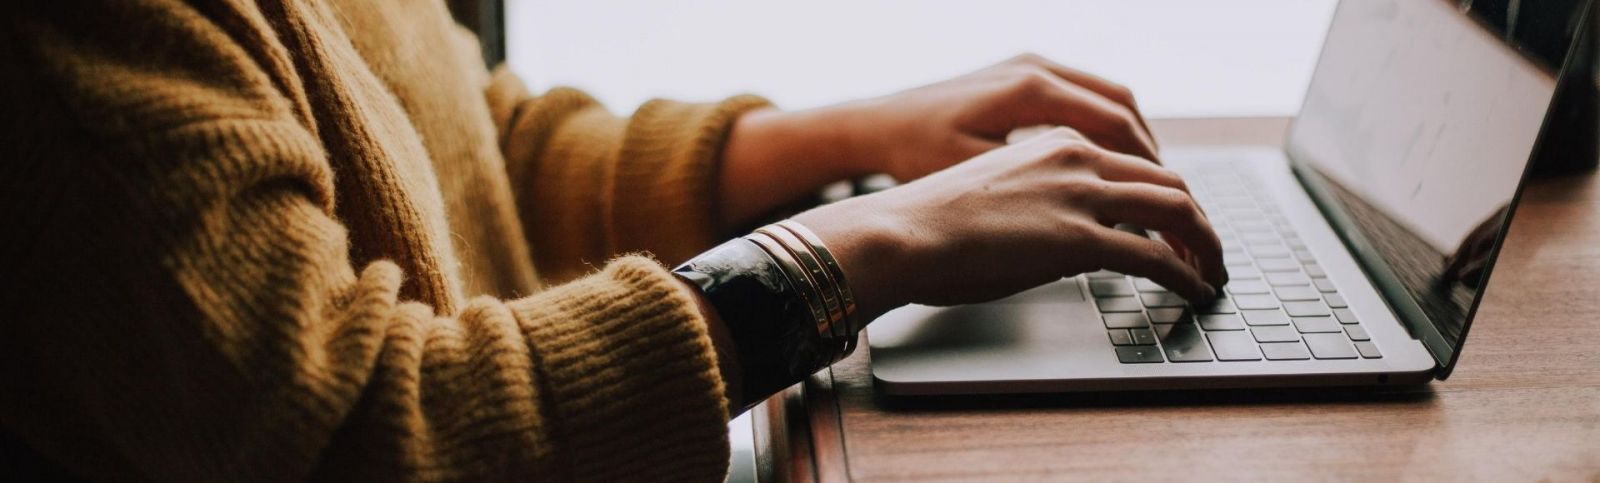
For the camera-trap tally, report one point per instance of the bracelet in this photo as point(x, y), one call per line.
point(783, 297)
point(819, 277)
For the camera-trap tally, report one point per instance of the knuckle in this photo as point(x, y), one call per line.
point(1120, 93)
point(1032, 81)
point(1127, 122)
point(1081, 189)
point(1027, 58)
point(1072, 149)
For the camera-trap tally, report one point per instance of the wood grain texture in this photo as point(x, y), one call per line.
point(1523, 404)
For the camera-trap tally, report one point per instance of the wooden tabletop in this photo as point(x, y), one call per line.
point(1523, 404)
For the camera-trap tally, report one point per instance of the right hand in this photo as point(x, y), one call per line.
point(1015, 218)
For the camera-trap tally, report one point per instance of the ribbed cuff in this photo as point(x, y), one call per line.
point(666, 176)
point(630, 376)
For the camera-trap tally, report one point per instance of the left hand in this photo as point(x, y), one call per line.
point(775, 157)
point(917, 132)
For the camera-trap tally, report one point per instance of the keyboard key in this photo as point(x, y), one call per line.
point(1110, 287)
point(1287, 278)
point(1315, 270)
point(1283, 351)
point(1330, 346)
point(1247, 287)
point(1166, 316)
point(1294, 242)
point(1356, 333)
point(1106, 274)
point(1232, 259)
point(1269, 251)
point(1146, 285)
point(1255, 302)
point(1297, 293)
point(1244, 215)
point(1304, 255)
point(1235, 202)
point(1233, 346)
point(1222, 322)
point(1222, 305)
point(1186, 344)
point(1336, 301)
point(1252, 226)
point(1265, 317)
point(1345, 316)
point(1142, 336)
point(1243, 272)
point(1278, 265)
point(1162, 330)
point(1139, 354)
point(1119, 304)
point(1275, 334)
point(1125, 321)
point(1305, 309)
point(1368, 350)
point(1261, 240)
point(1162, 299)
point(1308, 325)
point(1120, 337)
point(1323, 285)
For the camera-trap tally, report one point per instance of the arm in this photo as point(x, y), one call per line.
point(593, 185)
point(183, 304)
point(774, 158)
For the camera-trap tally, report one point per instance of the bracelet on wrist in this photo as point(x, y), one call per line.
point(784, 299)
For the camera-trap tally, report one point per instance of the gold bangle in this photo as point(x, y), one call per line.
point(815, 272)
point(847, 298)
point(797, 278)
point(836, 272)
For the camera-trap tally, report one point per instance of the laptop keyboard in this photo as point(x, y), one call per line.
point(1279, 305)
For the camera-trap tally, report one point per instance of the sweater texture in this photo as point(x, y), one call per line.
point(302, 239)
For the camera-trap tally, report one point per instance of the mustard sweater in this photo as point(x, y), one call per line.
point(298, 239)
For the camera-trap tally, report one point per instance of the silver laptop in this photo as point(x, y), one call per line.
point(1356, 252)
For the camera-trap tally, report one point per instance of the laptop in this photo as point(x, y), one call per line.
point(1357, 252)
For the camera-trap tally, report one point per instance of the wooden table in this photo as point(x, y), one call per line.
point(1523, 404)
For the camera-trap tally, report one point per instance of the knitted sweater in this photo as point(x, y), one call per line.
point(298, 240)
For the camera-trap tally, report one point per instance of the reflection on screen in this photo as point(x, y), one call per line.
point(1419, 123)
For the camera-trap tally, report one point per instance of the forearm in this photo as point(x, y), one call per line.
point(774, 158)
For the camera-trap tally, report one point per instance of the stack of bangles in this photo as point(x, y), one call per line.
point(784, 300)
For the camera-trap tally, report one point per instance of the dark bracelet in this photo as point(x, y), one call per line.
point(782, 298)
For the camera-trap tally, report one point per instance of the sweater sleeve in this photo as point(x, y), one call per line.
point(592, 184)
point(182, 305)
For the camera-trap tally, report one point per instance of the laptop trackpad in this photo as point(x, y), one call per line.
point(1032, 317)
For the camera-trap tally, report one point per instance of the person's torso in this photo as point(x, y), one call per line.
point(398, 92)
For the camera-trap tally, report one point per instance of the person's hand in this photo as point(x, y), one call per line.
point(917, 132)
point(775, 157)
point(1015, 218)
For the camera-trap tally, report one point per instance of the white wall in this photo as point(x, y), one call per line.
point(1182, 57)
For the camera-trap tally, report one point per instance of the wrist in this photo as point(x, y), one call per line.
point(873, 252)
point(775, 158)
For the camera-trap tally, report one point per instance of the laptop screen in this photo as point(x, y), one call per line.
point(1415, 133)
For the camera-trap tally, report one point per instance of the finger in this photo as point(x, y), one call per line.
point(1051, 100)
point(1135, 255)
point(1121, 167)
point(1025, 133)
point(1174, 214)
point(1110, 90)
